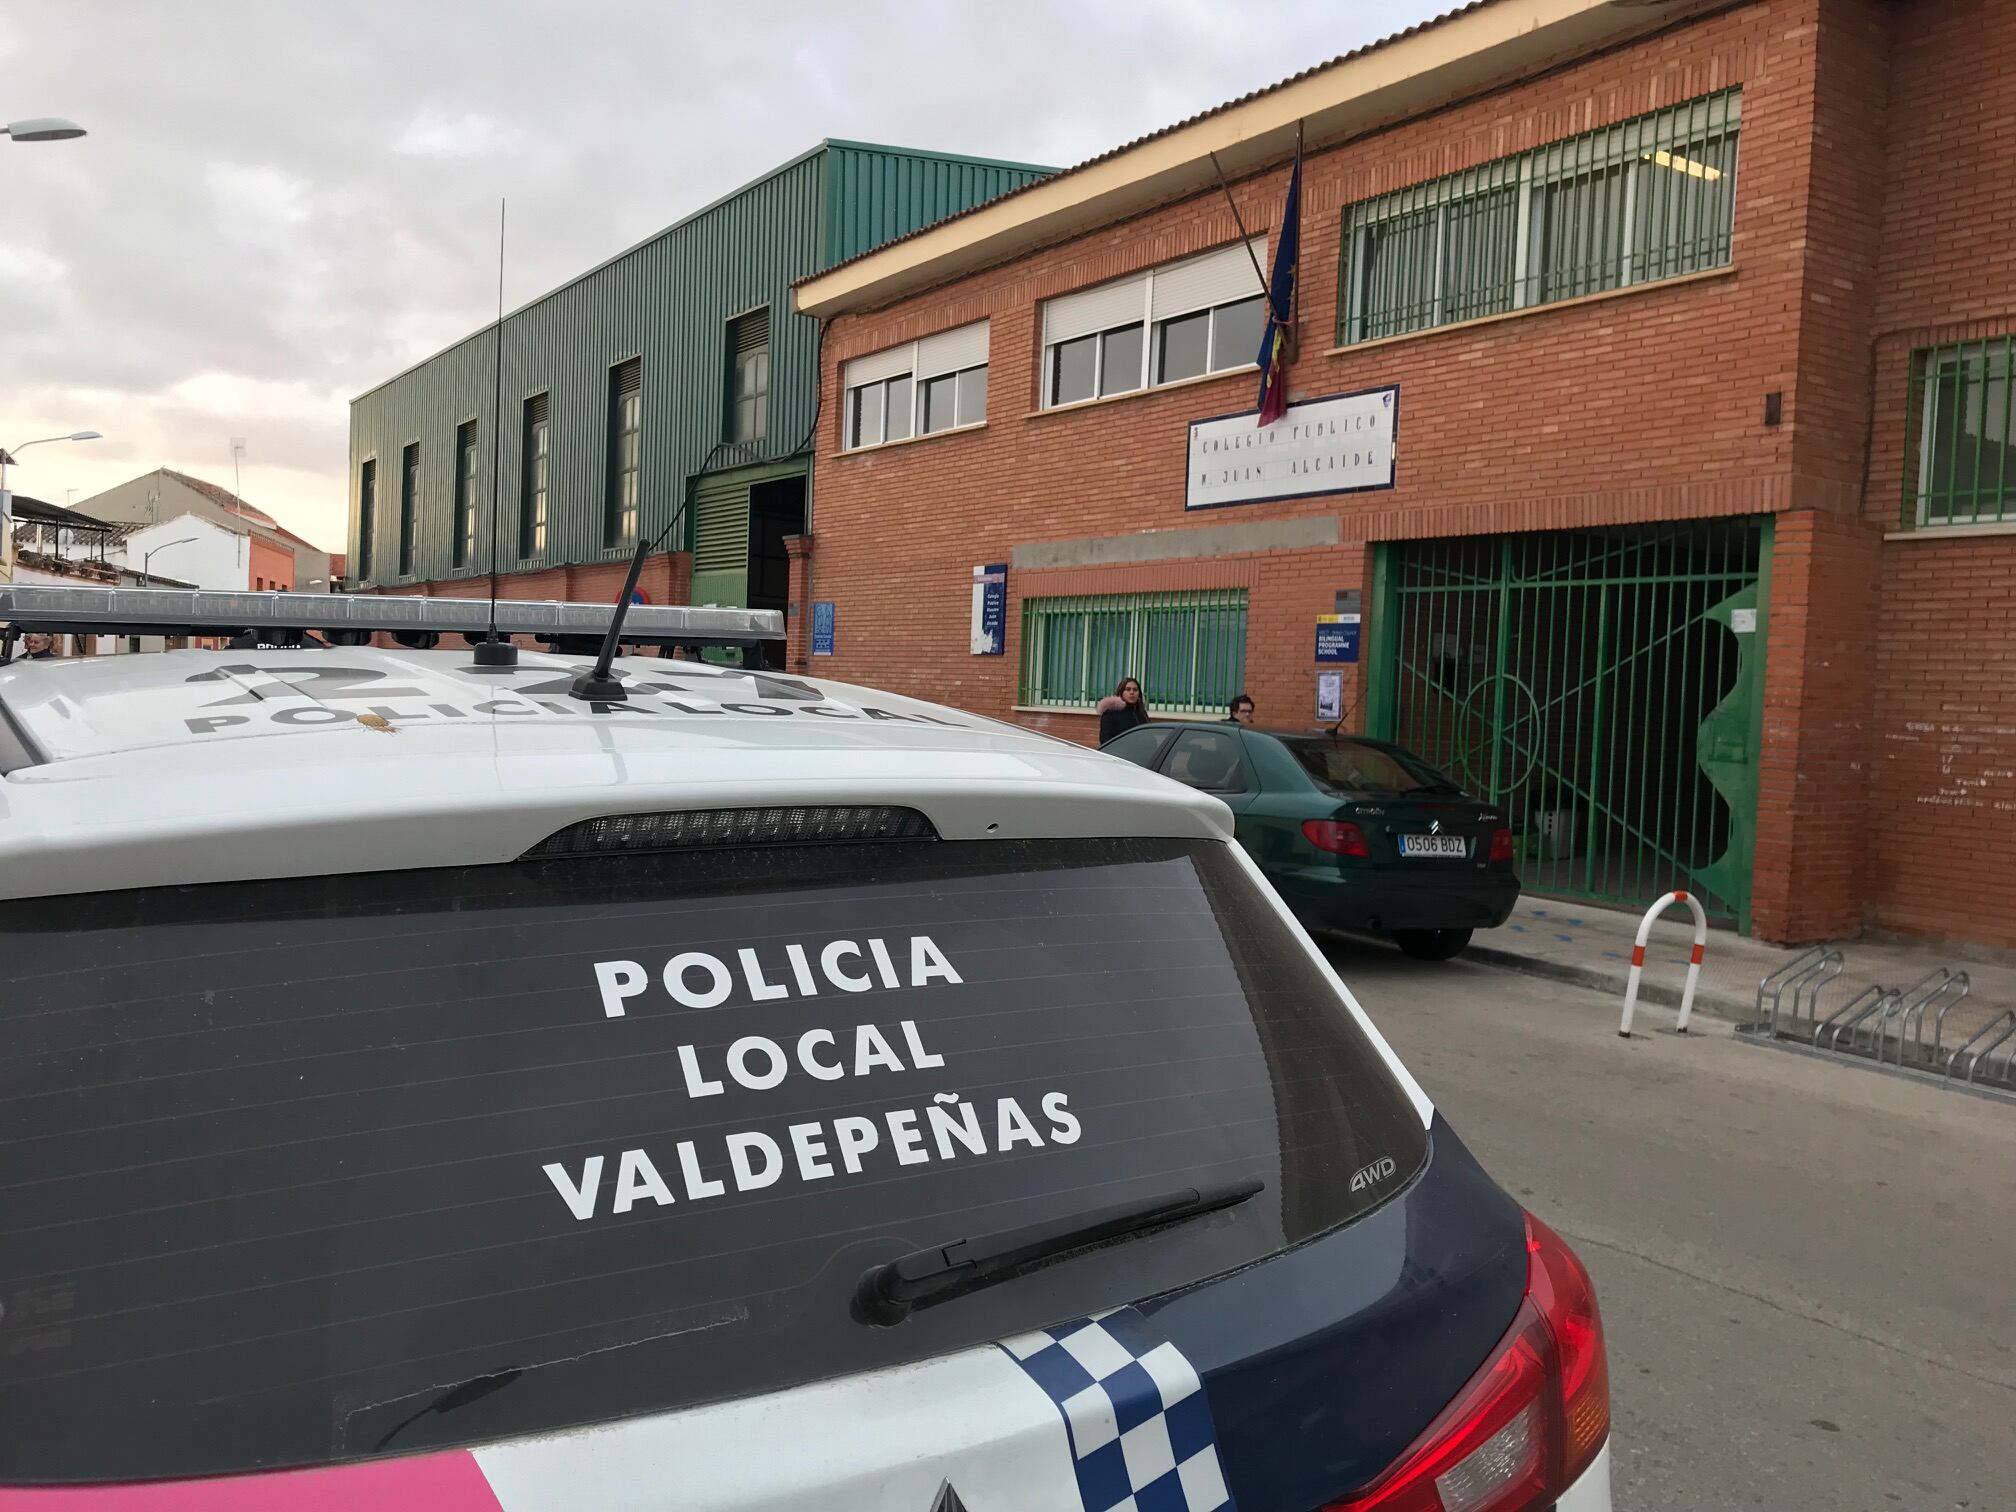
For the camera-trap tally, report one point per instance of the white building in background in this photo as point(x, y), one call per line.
point(192, 549)
point(263, 554)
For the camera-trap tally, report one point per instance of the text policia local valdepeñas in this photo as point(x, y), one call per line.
point(943, 1129)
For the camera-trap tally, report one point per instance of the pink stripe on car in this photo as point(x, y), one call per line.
point(424, 1483)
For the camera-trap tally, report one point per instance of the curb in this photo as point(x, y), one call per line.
point(1597, 979)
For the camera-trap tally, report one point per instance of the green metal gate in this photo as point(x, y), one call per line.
point(1604, 686)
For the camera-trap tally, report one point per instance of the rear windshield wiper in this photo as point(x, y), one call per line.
point(449, 1400)
point(889, 1293)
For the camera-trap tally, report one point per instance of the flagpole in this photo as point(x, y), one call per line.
point(1246, 240)
point(1295, 293)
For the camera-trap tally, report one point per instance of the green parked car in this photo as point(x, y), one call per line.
point(1354, 834)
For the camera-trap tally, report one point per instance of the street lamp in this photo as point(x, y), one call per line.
point(42, 129)
point(148, 556)
point(7, 458)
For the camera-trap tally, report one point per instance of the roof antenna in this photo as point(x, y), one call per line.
point(601, 682)
point(490, 651)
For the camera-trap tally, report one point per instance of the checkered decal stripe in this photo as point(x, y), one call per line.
point(1140, 1424)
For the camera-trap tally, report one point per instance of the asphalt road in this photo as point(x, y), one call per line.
point(1807, 1271)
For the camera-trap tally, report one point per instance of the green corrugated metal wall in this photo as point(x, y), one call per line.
point(876, 194)
point(668, 302)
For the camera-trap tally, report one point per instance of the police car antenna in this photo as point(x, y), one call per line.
point(490, 651)
point(600, 683)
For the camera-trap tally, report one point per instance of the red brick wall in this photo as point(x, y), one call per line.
point(1812, 853)
point(798, 606)
point(1942, 626)
point(1647, 405)
point(1876, 189)
point(1644, 406)
point(1812, 844)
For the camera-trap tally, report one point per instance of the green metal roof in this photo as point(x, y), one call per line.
point(666, 302)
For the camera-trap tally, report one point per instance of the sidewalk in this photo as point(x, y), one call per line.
point(1591, 947)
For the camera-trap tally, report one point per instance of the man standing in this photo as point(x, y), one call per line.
point(1241, 711)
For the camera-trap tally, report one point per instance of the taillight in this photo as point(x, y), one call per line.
point(1501, 845)
point(1336, 836)
point(1529, 1422)
point(1568, 1303)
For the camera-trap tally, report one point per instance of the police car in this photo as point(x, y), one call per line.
point(434, 1079)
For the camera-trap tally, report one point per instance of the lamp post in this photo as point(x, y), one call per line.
point(147, 557)
point(6, 460)
point(42, 129)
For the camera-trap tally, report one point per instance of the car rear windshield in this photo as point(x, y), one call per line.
point(1354, 766)
point(309, 1170)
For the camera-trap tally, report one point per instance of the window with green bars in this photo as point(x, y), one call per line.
point(1960, 468)
point(1650, 198)
point(1187, 649)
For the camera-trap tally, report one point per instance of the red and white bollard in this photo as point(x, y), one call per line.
point(1693, 961)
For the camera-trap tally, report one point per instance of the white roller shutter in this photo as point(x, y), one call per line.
point(879, 365)
point(949, 351)
point(1216, 278)
point(1100, 309)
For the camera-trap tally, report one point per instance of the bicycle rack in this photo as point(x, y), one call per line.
point(1945, 988)
point(1795, 974)
point(1939, 1022)
point(1789, 1008)
point(2006, 1022)
point(1877, 1026)
point(1871, 999)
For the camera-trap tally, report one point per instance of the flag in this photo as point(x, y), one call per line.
point(1273, 358)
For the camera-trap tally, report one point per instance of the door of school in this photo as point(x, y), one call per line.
point(1605, 686)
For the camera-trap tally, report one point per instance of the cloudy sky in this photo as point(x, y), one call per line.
point(281, 202)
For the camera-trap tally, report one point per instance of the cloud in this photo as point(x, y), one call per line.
point(434, 133)
point(279, 206)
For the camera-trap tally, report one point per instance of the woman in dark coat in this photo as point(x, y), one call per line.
point(1125, 709)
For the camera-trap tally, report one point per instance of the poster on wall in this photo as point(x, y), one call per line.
point(822, 627)
point(1329, 697)
point(990, 610)
point(1343, 443)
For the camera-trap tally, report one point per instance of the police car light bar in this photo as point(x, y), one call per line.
point(179, 611)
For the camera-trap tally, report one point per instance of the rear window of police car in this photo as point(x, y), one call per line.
point(285, 1164)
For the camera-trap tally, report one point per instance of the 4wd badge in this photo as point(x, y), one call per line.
point(1371, 1175)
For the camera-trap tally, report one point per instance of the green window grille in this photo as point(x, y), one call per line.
point(1650, 198)
point(1959, 468)
point(1187, 649)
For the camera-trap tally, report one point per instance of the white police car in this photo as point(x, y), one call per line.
point(423, 1088)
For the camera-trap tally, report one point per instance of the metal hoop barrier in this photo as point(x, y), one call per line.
point(1693, 961)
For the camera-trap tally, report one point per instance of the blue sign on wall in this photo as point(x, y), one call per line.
point(822, 627)
point(1337, 638)
point(990, 610)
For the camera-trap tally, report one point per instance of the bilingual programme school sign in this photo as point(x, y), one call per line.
point(1340, 444)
